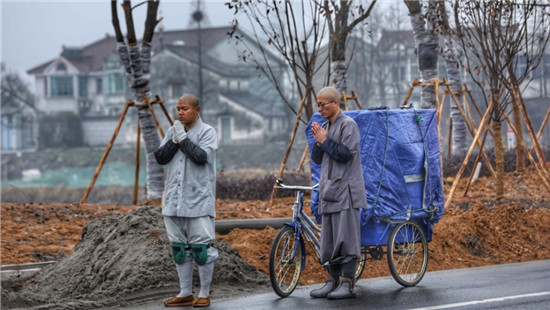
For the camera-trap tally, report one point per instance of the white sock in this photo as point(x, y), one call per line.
point(205, 272)
point(185, 274)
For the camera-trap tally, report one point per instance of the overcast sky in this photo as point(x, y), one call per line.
point(34, 31)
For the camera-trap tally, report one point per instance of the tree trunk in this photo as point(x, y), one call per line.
point(451, 54)
point(338, 48)
point(459, 131)
point(338, 72)
point(426, 40)
point(136, 59)
point(520, 160)
point(499, 159)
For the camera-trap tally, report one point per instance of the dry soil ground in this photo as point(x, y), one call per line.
point(475, 230)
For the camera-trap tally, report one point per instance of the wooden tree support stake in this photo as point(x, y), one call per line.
point(481, 128)
point(129, 103)
point(478, 157)
point(304, 157)
point(150, 107)
point(136, 174)
point(541, 128)
point(288, 148)
point(107, 150)
point(353, 96)
point(409, 93)
point(472, 131)
point(539, 165)
point(530, 129)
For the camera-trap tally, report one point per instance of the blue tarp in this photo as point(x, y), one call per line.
point(401, 165)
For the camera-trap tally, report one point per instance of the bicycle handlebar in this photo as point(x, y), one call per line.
point(280, 184)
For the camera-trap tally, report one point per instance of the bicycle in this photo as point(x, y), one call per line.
point(288, 251)
point(407, 247)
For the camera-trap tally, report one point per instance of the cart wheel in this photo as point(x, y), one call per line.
point(407, 253)
point(285, 262)
point(361, 262)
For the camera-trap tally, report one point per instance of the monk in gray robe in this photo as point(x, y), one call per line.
point(342, 194)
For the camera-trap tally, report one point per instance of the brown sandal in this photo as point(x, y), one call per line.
point(179, 301)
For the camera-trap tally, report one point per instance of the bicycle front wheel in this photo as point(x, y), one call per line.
point(285, 261)
point(407, 253)
point(361, 262)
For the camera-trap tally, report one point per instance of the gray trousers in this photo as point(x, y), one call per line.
point(340, 237)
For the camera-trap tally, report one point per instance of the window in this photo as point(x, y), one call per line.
point(116, 83)
point(61, 85)
point(177, 90)
point(99, 85)
point(226, 129)
point(61, 67)
point(83, 86)
point(7, 132)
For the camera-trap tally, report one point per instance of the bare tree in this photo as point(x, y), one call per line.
point(527, 49)
point(342, 16)
point(15, 92)
point(17, 104)
point(136, 58)
point(493, 35)
point(378, 60)
point(294, 30)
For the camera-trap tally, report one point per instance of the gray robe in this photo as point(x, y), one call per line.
point(342, 191)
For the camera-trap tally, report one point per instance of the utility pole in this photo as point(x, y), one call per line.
point(198, 16)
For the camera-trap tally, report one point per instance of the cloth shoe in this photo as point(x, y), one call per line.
point(179, 301)
point(344, 290)
point(322, 292)
point(201, 302)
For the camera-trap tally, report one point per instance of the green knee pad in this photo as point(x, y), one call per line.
point(178, 252)
point(200, 253)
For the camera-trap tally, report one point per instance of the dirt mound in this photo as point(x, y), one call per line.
point(119, 258)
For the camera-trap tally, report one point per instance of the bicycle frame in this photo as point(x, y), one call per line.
point(302, 223)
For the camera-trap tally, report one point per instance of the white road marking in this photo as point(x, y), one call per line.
point(483, 301)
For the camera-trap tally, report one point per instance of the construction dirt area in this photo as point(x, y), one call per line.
point(113, 255)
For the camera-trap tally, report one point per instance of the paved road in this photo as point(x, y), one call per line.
point(509, 286)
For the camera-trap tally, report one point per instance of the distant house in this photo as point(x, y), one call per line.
point(90, 81)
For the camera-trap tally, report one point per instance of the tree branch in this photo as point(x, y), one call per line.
point(127, 6)
point(116, 24)
point(151, 20)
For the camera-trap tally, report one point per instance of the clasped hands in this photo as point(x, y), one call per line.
point(319, 133)
point(178, 132)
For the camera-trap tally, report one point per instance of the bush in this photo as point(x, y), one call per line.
point(452, 164)
point(258, 187)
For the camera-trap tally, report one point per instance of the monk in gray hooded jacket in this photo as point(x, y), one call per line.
point(188, 152)
point(342, 194)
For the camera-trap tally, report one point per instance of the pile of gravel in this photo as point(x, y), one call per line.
point(122, 259)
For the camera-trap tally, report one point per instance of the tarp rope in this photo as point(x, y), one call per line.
point(384, 161)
